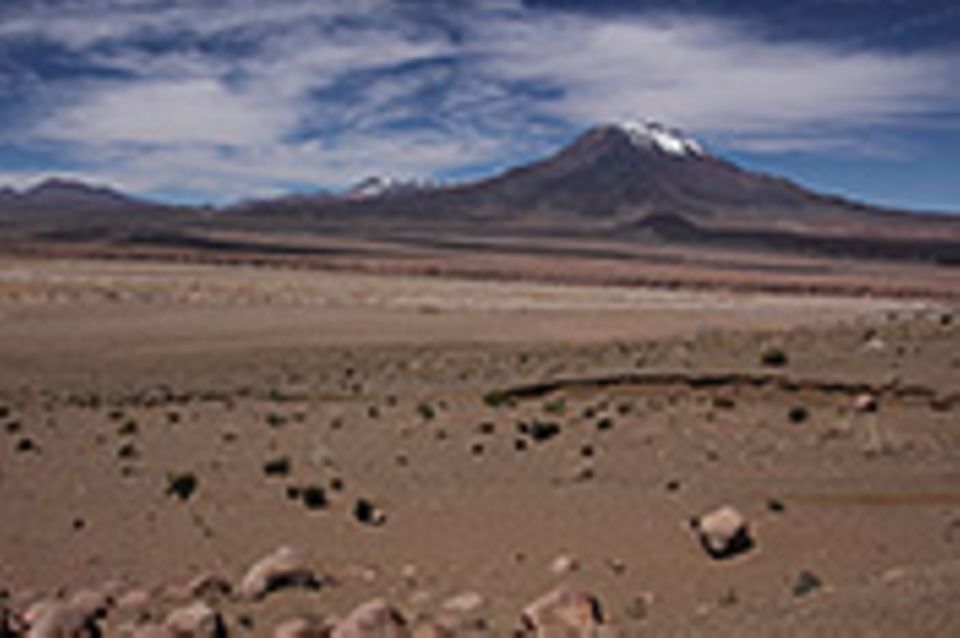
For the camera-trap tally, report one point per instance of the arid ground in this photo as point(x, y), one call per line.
point(417, 439)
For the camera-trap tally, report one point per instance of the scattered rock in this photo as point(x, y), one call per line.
point(373, 619)
point(277, 467)
point(866, 403)
point(465, 603)
point(51, 619)
point(617, 566)
point(314, 497)
point(724, 533)
point(209, 586)
point(91, 602)
point(182, 485)
point(774, 358)
point(564, 564)
point(638, 608)
point(198, 620)
point(152, 631)
point(369, 514)
point(134, 600)
point(562, 613)
point(10, 626)
point(283, 568)
point(776, 506)
point(303, 627)
point(806, 583)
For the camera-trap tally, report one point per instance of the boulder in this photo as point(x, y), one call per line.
point(373, 619)
point(91, 602)
point(51, 619)
point(209, 586)
point(283, 568)
point(724, 533)
point(303, 627)
point(152, 631)
point(134, 600)
point(865, 403)
point(562, 613)
point(564, 564)
point(465, 603)
point(198, 620)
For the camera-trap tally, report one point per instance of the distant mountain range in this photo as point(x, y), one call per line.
point(639, 180)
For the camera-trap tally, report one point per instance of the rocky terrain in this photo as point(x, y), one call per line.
point(194, 450)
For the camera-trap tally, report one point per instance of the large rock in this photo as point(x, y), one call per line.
point(373, 619)
point(53, 619)
point(303, 627)
point(198, 620)
point(94, 603)
point(563, 613)
point(11, 626)
point(866, 403)
point(283, 568)
point(152, 631)
point(466, 603)
point(209, 586)
point(724, 533)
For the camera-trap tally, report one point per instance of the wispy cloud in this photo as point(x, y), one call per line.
point(221, 100)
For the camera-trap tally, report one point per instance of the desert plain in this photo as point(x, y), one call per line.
point(458, 448)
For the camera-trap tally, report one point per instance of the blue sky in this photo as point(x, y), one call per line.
point(217, 100)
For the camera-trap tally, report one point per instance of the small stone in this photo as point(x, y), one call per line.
point(373, 619)
point(409, 573)
point(865, 403)
point(198, 620)
point(617, 566)
point(182, 485)
point(564, 564)
point(563, 612)
point(724, 533)
point(369, 514)
point(806, 583)
point(638, 608)
point(465, 603)
point(283, 568)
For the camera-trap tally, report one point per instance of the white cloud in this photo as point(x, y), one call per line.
point(710, 75)
point(230, 122)
point(193, 111)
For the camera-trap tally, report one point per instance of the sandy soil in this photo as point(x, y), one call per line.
point(420, 396)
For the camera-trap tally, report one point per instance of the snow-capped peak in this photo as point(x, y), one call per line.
point(379, 186)
point(671, 141)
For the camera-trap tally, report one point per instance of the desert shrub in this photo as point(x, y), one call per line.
point(129, 428)
point(127, 451)
point(798, 414)
point(496, 399)
point(276, 420)
point(182, 485)
point(314, 497)
point(426, 411)
point(279, 466)
point(555, 407)
point(774, 357)
point(540, 431)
